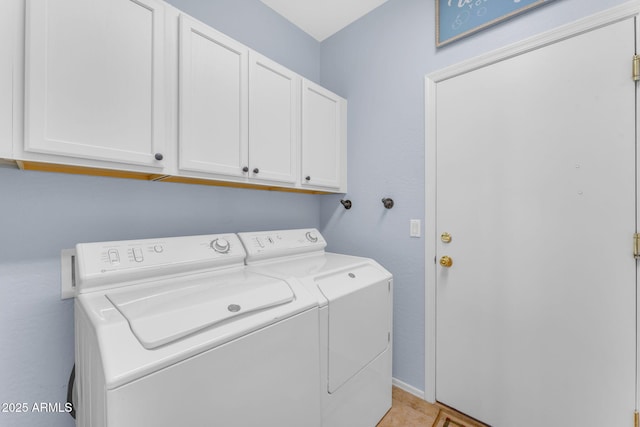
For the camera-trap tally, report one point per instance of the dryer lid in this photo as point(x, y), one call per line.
point(166, 312)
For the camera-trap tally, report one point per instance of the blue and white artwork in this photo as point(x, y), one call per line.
point(459, 18)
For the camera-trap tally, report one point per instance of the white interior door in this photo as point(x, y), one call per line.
point(535, 183)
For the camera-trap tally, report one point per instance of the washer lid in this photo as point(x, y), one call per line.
point(169, 311)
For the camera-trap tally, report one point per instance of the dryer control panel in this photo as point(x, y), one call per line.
point(263, 245)
point(107, 264)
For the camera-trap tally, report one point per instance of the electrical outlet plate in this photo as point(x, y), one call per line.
point(67, 276)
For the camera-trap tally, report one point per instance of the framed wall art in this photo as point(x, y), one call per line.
point(456, 19)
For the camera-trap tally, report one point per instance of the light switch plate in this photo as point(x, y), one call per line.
point(414, 228)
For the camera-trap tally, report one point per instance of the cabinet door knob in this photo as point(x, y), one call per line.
point(245, 169)
point(256, 170)
point(159, 156)
point(308, 178)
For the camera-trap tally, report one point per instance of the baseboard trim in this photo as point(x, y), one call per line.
point(408, 388)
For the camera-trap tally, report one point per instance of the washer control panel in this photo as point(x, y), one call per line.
point(105, 263)
point(263, 245)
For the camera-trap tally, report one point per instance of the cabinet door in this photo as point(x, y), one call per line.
point(323, 137)
point(94, 79)
point(274, 130)
point(213, 101)
point(9, 19)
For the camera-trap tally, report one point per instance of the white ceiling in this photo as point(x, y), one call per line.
point(322, 18)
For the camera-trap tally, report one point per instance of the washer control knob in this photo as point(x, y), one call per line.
point(311, 236)
point(221, 245)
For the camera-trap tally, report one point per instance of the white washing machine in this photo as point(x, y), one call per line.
point(355, 298)
point(177, 332)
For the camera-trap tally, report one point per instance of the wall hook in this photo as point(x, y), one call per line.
point(346, 203)
point(387, 202)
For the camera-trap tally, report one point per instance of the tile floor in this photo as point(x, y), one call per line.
point(410, 411)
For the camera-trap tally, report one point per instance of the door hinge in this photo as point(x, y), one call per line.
point(636, 246)
point(635, 68)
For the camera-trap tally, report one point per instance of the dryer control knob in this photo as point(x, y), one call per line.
point(221, 245)
point(311, 236)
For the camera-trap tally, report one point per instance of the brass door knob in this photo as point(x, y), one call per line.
point(446, 261)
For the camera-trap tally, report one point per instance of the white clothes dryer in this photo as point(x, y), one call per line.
point(355, 298)
point(177, 332)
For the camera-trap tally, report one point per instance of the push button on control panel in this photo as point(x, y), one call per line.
point(114, 256)
point(137, 255)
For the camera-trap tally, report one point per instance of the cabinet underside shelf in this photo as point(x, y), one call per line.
point(81, 170)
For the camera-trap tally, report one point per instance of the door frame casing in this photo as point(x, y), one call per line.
point(610, 16)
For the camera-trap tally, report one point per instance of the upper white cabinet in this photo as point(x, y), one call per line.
point(324, 154)
point(274, 120)
point(213, 109)
point(138, 86)
point(94, 80)
point(10, 79)
point(238, 112)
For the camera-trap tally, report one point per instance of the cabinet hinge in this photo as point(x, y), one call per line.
point(636, 247)
point(635, 73)
point(636, 419)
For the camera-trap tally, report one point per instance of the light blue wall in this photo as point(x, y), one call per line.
point(42, 213)
point(379, 63)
